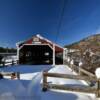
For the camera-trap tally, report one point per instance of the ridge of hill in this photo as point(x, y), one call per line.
point(92, 42)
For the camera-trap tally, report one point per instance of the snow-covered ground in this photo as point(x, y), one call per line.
point(29, 86)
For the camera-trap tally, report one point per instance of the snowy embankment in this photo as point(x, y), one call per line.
point(12, 90)
point(29, 86)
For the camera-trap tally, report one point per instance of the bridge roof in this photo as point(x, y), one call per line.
point(38, 39)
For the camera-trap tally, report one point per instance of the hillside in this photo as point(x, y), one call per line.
point(92, 42)
point(89, 52)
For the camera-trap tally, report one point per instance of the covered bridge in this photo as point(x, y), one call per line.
point(39, 50)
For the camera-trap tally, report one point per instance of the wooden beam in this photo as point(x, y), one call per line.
point(86, 72)
point(70, 76)
point(72, 88)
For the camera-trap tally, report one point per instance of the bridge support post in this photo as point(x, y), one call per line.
point(53, 54)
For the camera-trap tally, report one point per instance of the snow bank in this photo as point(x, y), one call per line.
point(72, 62)
point(12, 90)
point(28, 76)
point(29, 87)
point(58, 95)
point(97, 72)
point(36, 89)
point(80, 63)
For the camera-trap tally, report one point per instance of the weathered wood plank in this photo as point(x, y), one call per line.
point(72, 88)
point(78, 77)
point(86, 72)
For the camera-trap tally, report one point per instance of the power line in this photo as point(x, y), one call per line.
point(60, 20)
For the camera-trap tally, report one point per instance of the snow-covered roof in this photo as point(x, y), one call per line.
point(40, 37)
point(28, 41)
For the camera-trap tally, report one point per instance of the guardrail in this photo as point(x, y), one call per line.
point(86, 89)
point(80, 70)
point(6, 63)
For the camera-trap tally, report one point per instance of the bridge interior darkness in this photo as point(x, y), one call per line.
point(37, 55)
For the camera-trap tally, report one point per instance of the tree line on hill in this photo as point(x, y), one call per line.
point(7, 50)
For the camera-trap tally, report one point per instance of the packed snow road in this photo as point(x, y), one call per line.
point(29, 86)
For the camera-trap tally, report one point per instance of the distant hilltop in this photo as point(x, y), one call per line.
point(91, 42)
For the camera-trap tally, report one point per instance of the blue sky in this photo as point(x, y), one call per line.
point(21, 19)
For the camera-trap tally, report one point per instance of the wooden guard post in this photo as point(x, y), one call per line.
point(44, 81)
point(15, 75)
point(98, 88)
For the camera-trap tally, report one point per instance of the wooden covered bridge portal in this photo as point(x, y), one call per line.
point(38, 50)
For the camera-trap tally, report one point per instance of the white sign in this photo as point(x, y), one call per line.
point(36, 40)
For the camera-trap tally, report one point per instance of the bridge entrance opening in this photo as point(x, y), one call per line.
point(36, 54)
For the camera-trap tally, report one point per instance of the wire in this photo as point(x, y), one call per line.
point(60, 21)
